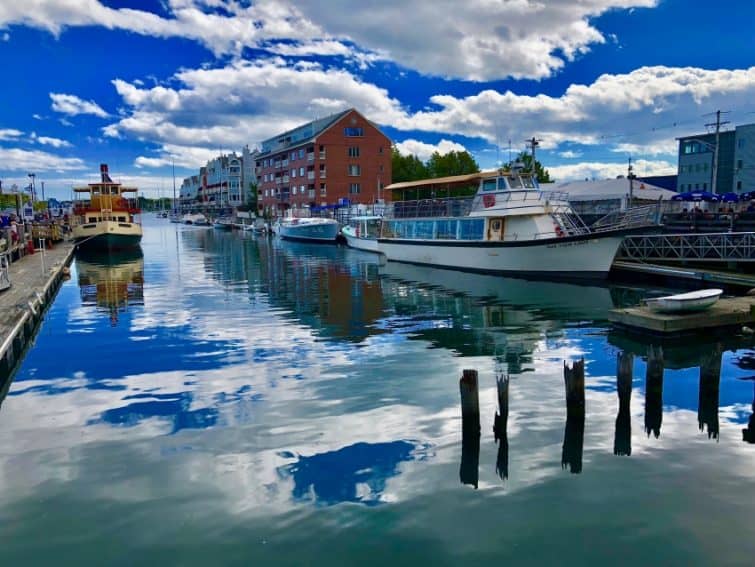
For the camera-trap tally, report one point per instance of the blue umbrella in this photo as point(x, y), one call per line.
point(730, 197)
point(749, 196)
point(697, 196)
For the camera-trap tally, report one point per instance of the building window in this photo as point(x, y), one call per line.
point(353, 132)
point(380, 150)
point(380, 167)
point(741, 143)
point(301, 172)
point(354, 188)
point(293, 172)
point(354, 170)
point(705, 186)
point(739, 164)
point(739, 185)
point(301, 153)
point(293, 191)
point(353, 151)
point(323, 189)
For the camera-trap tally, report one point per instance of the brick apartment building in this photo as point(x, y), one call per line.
point(330, 161)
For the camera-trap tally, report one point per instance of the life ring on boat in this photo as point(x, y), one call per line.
point(559, 231)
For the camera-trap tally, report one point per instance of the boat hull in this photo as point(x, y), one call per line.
point(107, 235)
point(586, 256)
point(354, 241)
point(685, 302)
point(320, 232)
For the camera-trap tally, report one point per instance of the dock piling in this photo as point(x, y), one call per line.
point(574, 430)
point(654, 391)
point(470, 428)
point(622, 439)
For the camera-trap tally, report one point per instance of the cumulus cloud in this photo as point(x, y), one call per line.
point(484, 40)
point(9, 133)
point(49, 141)
point(175, 155)
point(608, 170)
point(423, 150)
point(246, 102)
point(72, 105)
point(16, 159)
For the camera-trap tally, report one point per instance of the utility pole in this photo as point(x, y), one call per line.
point(534, 143)
point(718, 125)
point(631, 177)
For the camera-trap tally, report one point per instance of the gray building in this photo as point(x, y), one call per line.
point(736, 161)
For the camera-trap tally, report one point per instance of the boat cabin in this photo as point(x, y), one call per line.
point(105, 201)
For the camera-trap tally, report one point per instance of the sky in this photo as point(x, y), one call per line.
point(149, 85)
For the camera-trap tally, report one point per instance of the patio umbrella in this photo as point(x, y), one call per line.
point(697, 196)
point(730, 197)
point(749, 196)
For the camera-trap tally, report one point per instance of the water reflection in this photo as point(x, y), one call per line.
point(622, 439)
point(111, 282)
point(574, 430)
point(500, 426)
point(470, 429)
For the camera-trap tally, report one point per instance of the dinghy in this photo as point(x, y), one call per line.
point(685, 302)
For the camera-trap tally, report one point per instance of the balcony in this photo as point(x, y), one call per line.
point(322, 154)
point(311, 157)
point(322, 174)
point(310, 175)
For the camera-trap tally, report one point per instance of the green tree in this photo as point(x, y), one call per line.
point(406, 168)
point(542, 174)
point(452, 163)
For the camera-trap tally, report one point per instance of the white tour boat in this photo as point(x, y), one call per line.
point(362, 232)
point(509, 226)
point(307, 229)
point(685, 302)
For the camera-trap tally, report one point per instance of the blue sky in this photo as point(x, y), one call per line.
point(144, 84)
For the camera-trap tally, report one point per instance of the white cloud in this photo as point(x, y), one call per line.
point(48, 141)
point(570, 154)
point(72, 105)
point(16, 159)
point(181, 156)
point(423, 151)
point(607, 170)
point(9, 133)
point(482, 40)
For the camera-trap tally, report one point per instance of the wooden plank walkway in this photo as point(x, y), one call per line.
point(728, 312)
point(35, 279)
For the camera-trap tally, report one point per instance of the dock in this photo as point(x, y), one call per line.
point(683, 273)
point(35, 279)
point(726, 313)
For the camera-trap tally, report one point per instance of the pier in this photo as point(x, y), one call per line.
point(729, 312)
point(35, 279)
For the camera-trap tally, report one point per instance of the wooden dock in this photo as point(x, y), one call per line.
point(35, 279)
point(684, 273)
point(728, 312)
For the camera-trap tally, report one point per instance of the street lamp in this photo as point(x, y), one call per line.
point(33, 188)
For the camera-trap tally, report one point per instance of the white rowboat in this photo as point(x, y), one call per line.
point(685, 302)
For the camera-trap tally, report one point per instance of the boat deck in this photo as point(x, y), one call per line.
point(728, 312)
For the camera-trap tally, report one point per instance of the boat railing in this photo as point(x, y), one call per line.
point(635, 217)
point(448, 207)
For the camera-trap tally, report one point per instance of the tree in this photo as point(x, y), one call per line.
point(452, 163)
point(542, 174)
point(406, 168)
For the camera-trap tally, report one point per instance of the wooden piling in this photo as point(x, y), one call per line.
point(470, 428)
point(622, 439)
point(710, 379)
point(574, 430)
point(500, 424)
point(748, 434)
point(654, 391)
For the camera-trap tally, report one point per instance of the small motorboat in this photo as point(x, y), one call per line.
point(685, 302)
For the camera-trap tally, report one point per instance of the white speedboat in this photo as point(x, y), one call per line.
point(509, 226)
point(223, 223)
point(196, 219)
point(362, 232)
point(685, 302)
point(307, 229)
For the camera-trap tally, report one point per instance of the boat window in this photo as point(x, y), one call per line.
point(515, 182)
point(488, 185)
point(471, 229)
point(502, 186)
point(423, 229)
point(446, 229)
point(529, 182)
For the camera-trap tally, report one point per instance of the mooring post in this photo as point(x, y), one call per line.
point(748, 434)
point(622, 438)
point(574, 431)
point(654, 391)
point(710, 379)
point(470, 428)
point(500, 424)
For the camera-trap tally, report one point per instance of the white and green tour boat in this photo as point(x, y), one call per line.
point(105, 215)
point(510, 226)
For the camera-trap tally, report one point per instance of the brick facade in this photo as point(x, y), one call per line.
point(346, 157)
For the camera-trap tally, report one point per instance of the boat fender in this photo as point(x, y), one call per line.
point(357, 231)
point(559, 230)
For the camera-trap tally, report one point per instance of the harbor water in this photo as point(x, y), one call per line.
point(220, 398)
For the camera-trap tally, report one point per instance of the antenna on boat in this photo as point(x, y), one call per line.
point(533, 144)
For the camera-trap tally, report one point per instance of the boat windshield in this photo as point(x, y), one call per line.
point(489, 184)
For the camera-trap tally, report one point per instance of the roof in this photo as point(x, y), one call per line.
point(301, 134)
point(608, 189)
point(441, 180)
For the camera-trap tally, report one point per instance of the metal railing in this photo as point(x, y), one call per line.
point(709, 247)
point(631, 218)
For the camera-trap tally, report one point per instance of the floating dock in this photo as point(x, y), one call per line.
point(728, 312)
point(35, 279)
point(679, 273)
